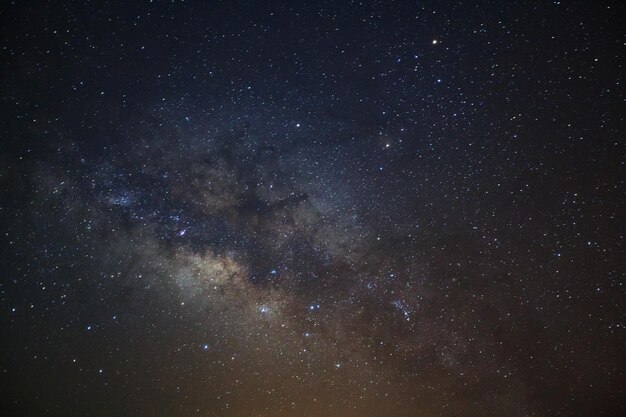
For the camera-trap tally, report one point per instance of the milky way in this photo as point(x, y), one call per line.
point(311, 209)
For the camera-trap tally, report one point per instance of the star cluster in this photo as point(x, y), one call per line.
point(302, 209)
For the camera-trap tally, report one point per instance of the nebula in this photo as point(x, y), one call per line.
point(311, 210)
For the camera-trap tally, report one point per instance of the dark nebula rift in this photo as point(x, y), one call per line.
point(303, 209)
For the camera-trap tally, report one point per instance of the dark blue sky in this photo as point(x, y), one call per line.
point(311, 209)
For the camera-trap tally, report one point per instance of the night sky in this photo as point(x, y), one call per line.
point(312, 209)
